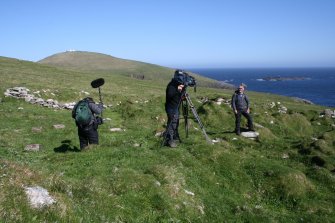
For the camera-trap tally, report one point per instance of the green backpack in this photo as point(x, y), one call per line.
point(83, 114)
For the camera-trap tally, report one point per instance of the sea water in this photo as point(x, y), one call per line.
point(314, 84)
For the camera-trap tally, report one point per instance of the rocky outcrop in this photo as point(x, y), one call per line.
point(116, 130)
point(280, 78)
point(281, 109)
point(39, 197)
point(253, 135)
point(328, 113)
point(32, 147)
point(220, 101)
point(59, 126)
point(303, 100)
point(24, 93)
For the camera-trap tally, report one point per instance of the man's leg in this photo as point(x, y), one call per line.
point(249, 118)
point(169, 130)
point(172, 127)
point(176, 132)
point(83, 141)
point(93, 136)
point(238, 123)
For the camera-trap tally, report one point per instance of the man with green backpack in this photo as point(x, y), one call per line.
point(85, 114)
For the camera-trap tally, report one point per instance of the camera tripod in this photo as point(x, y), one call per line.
point(186, 102)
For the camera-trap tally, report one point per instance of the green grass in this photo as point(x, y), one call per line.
point(231, 181)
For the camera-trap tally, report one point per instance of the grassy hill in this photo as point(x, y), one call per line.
point(89, 61)
point(286, 175)
point(106, 64)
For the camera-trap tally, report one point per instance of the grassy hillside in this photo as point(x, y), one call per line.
point(286, 175)
point(89, 61)
point(106, 64)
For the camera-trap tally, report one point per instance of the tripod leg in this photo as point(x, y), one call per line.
point(185, 114)
point(186, 127)
point(194, 111)
point(166, 132)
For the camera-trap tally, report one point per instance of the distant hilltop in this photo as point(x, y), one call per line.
point(279, 78)
point(84, 61)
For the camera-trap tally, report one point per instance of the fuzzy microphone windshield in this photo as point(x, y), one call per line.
point(97, 83)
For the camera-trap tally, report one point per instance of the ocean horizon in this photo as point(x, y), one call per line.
point(314, 84)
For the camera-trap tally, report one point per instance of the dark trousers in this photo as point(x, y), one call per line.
point(238, 120)
point(172, 127)
point(88, 135)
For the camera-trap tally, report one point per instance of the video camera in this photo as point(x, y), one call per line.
point(184, 78)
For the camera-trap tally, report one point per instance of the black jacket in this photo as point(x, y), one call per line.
point(240, 102)
point(173, 97)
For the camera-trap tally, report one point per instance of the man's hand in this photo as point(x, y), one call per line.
point(248, 110)
point(180, 87)
point(235, 111)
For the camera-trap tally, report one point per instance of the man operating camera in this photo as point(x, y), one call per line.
point(174, 92)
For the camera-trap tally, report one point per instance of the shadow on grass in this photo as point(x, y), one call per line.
point(220, 132)
point(226, 132)
point(66, 147)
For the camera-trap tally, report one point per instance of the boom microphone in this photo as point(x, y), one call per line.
point(97, 83)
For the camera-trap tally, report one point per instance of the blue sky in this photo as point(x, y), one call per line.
point(177, 34)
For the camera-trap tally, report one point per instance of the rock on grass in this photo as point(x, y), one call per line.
point(38, 197)
point(33, 147)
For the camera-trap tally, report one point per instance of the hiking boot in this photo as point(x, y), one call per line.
point(172, 144)
point(177, 140)
point(84, 148)
point(251, 127)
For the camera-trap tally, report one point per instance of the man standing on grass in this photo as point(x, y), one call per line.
point(173, 99)
point(84, 113)
point(241, 106)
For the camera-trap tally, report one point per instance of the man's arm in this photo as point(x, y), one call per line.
point(248, 103)
point(74, 110)
point(170, 92)
point(96, 109)
point(233, 103)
